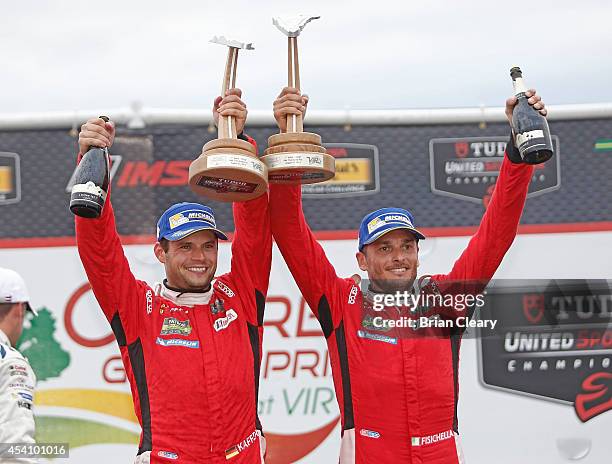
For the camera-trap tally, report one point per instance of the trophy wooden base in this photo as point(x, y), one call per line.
point(297, 158)
point(228, 170)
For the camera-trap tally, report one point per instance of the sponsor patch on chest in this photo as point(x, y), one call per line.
point(177, 342)
point(377, 337)
point(224, 322)
point(174, 326)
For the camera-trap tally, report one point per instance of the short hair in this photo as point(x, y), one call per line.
point(165, 244)
point(5, 308)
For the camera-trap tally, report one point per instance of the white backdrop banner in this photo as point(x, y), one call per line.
point(83, 397)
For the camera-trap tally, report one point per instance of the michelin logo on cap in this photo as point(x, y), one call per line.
point(381, 221)
point(179, 218)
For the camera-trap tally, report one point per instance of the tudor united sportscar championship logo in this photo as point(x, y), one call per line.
point(553, 341)
point(467, 168)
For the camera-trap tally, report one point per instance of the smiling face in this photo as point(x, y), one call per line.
point(391, 261)
point(191, 262)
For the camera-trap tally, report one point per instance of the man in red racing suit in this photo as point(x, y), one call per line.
point(397, 394)
point(191, 346)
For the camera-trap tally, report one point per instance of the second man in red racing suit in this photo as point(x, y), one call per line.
point(397, 394)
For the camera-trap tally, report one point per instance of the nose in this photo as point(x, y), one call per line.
point(399, 255)
point(197, 254)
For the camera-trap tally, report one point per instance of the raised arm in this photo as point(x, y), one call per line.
point(252, 243)
point(498, 226)
point(252, 254)
point(312, 271)
point(108, 271)
point(314, 274)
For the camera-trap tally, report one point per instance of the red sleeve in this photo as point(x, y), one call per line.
point(108, 271)
point(498, 226)
point(252, 254)
point(312, 271)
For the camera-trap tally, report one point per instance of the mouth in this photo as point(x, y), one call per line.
point(398, 270)
point(201, 270)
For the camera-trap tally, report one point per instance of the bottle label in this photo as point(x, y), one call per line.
point(89, 188)
point(524, 140)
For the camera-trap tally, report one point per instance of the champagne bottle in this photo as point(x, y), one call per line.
point(532, 135)
point(91, 182)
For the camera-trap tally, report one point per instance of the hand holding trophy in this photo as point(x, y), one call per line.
point(228, 168)
point(296, 157)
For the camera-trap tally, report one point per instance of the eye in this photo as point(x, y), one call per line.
point(186, 246)
point(384, 248)
point(209, 246)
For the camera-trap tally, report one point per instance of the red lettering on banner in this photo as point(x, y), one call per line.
point(147, 174)
point(275, 354)
point(113, 370)
point(178, 172)
point(159, 173)
point(71, 330)
point(311, 367)
point(594, 338)
point(125, 174)
point(279, 323)
point(300, 360)
point(493, 165)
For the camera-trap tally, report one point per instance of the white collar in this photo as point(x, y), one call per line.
point(4, 339)
point(184, 298)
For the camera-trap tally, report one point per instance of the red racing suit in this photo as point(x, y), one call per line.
point(192, 359)
point(397, 395)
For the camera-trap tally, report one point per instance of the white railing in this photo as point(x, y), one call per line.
point(137, 117)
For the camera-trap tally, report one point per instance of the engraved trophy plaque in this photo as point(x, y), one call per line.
point(228, 168)
point(296, 157)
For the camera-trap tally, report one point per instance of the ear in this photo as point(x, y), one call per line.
point(362, 261)
point(160, 254)
point(21, 312)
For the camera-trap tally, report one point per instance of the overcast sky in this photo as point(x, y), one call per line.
point(69, 54)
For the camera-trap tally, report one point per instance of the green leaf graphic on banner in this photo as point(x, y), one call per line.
point(38, 344)
point(79, 432)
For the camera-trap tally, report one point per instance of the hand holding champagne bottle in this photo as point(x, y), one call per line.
point(526, 113)
point(92, 176)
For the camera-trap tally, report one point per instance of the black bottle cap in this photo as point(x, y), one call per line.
point(516, 72)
